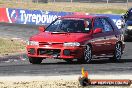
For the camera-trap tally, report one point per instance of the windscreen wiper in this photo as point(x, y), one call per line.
point(58, 32)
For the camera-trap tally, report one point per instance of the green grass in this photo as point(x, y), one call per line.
point(8, 46)
point(116, 8)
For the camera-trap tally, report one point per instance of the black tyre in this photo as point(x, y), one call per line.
point(117, 53)
point(87, 55)
point(35, 60)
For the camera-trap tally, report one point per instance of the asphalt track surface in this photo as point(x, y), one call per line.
point(19, 65)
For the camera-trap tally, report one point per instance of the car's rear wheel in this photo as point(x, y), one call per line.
point(87, 55)
point(35, 60)
point(117, 53)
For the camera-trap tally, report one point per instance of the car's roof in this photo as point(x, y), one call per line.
point(82, 16)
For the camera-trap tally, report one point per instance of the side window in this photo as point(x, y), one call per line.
point(97, 23)
point(87, 24)
point(106, 24)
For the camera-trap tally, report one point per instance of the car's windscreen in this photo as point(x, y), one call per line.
point(69, 25)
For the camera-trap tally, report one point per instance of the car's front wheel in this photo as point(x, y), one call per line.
point(35, 60)
point(117, 53)
point(87, 55)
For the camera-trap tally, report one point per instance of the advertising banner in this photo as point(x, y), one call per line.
point(3, 15)
point(40, 17)
point(37, 17)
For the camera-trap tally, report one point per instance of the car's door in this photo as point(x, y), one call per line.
point(109, 35)
point(98, 40)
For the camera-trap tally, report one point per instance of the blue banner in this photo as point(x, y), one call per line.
point(40, 17)
point(37, 17)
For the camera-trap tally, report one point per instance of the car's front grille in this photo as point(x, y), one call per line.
point(49, 51)
point(43, 43)
point(49, 43)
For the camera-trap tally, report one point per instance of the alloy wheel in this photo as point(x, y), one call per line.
point(87, 54)
point(118, 51)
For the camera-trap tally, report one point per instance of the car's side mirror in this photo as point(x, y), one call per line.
point(97, 30)
point(41, 28)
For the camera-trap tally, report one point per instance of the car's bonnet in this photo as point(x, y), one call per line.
point(60, 37)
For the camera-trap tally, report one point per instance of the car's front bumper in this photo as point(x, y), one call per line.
point(55, 52)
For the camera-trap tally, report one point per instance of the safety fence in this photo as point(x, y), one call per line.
point(126, 3)
point(87, 1)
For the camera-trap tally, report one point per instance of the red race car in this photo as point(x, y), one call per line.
point(80, 37)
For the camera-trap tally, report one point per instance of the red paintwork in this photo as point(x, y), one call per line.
point(98, 30)
point(3, 15)
point(41, 28)
point(102, 43)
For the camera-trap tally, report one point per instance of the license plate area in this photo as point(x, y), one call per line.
point(49, 52)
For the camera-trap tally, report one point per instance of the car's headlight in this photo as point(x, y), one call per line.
point(129, 27)
point(71, 44)
point(32, 43)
